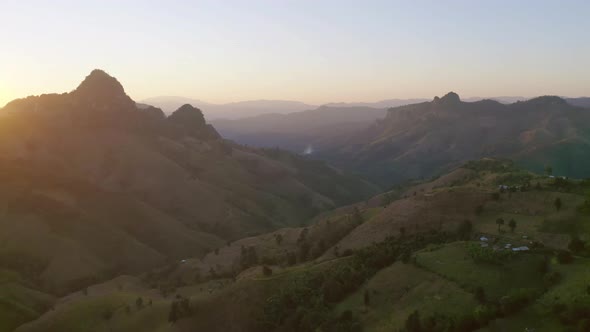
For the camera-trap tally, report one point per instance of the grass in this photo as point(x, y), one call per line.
point(535, 216)
point(454, 263)
point(571, 289)
point(573, 286)
point(19, 304)
point(83, 314)
point(398, 290)
point(527, 318)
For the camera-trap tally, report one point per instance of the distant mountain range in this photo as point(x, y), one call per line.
point(301, 131)
point(425, 138)
point(230, 110)
point(253, 108)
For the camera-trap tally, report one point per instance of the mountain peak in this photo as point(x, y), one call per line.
point(547, 100)
point(192, 121)
point(451, 98)
point(187, 114)
point(100, 87)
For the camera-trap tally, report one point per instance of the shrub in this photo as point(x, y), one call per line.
point(564, 257)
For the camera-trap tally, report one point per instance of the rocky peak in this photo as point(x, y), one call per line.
point(101, 88)
point(187, 115)
point(450, 98)
point(190, 120)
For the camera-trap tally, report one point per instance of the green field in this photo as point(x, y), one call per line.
point(398, 290)
point(454, 263)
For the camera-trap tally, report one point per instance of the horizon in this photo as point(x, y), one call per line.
point(463, 98)
point(315, 53)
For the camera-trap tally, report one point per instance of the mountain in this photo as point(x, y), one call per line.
point(422, 140)
point(580, 102)
point(234, 110)
point(300, 131)
point(93, 186)
point(451, 254)
point(500, 99)
point(387, 103)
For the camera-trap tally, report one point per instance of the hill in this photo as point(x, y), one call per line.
point(425, 139)
point(94, 187)
point(384, 268)
point(235, 110)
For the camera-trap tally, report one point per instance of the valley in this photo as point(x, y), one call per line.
point(413, 259)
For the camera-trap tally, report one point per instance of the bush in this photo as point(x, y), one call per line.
point(564, 257)
point(516, 300)
point(576, 245)
point(464, 229)
point(551, 279)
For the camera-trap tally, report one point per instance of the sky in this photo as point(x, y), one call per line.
point(312, 51)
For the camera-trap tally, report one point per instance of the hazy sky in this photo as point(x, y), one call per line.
point(312, 51)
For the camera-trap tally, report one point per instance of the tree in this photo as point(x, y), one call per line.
point(576, 245)
point(557, 203)
point(402, 231)
point(302, 235)
point(464, 229)
point(291, 258)
point(357, 217)
point(413, 322)
point(479, 210)
point(107, 314)
point(512, 224)
point(548, 170)
point(367, 297)
point(564, 257)
point(499, 222)
point(248, 257)
point(139, 303)
point(480, 295)
point(279, 239)
point(173, 314)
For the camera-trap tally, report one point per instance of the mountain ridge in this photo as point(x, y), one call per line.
point(102, 186)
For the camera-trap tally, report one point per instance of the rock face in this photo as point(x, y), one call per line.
point(187, 115)
point(99, 88)
point(190, 121)
point(450, 99)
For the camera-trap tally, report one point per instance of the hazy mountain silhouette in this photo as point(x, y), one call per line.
point(379, 104)
point(230, 110)
point(93, 185)
point(300, 130)
point(581, 101)
point(423, 139)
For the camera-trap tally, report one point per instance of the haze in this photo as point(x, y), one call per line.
point(310, 51)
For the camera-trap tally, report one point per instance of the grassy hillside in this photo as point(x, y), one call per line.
point(426, 139)
point(94, 187)
point(409, 260)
